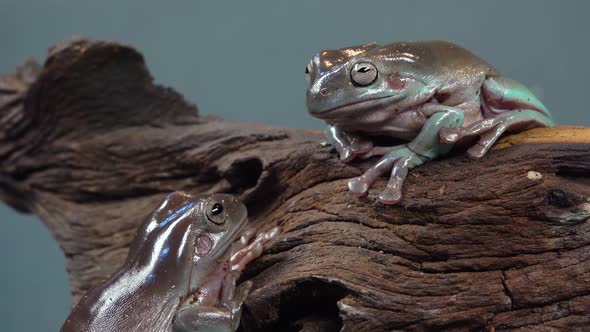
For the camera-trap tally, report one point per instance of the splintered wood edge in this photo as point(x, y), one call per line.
point(560, 134)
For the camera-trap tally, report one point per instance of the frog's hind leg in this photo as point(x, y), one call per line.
point(512, 121)
point(507, 105)
point(490, 130)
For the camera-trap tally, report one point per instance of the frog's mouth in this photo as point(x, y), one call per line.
point(353, 107)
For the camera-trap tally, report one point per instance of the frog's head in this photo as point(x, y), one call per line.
point(183, 239)
point(345, 81)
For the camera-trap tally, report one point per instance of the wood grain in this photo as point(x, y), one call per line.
point(90, 144)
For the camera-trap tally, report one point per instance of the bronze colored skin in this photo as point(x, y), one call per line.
point(181, 249)
point(432, 94)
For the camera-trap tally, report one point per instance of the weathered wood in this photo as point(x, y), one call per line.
point(91, 145)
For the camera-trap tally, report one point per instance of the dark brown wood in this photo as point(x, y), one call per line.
point(90, 144)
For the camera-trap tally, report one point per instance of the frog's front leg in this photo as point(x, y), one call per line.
point(425, 146)
point(510, 105)
point(226, 318)
point(348, 145)
point(214, 312)
point(245, 251)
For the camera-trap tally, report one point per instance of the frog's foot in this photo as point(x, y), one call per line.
point(245, 251)
point(489, 130)
point(348, 145)
point(398, 161)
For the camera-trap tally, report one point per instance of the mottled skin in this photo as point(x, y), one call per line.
point(177, 276)
point(433, 94)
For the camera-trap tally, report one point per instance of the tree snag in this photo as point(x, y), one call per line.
point(90, 144)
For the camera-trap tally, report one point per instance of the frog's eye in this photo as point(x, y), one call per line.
point(307, 72)
point(363, 73)
point(215, 214)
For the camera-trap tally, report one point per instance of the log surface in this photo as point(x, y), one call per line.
point(90, 144)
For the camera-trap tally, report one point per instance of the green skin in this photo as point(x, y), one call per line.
point(433, 94)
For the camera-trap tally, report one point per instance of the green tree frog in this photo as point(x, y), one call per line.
point(432, 94)
point(180, 274)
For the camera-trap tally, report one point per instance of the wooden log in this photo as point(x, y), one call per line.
point(90, 144)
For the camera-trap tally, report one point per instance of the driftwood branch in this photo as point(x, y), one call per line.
point(90, 144)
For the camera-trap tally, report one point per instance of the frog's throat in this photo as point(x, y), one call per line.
point(231, 239)
point(357, 105)
point(197, 275)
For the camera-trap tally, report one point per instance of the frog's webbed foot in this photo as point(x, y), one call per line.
point(398, 161)
point(489, 130)
point(244, 251)
point(348, 145)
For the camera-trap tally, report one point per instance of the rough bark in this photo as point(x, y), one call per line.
point(90, 144)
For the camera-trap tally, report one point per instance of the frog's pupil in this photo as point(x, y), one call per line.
point(307, 70)
point(363, 70)
point(217, 209)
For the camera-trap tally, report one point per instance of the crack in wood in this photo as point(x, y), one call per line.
point(472, 245)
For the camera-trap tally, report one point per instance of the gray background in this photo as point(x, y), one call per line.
point(244, 60)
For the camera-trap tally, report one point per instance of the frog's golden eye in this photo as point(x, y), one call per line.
point(215, 214)
point(363, 73)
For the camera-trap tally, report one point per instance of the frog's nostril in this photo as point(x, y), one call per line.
point(324, 92)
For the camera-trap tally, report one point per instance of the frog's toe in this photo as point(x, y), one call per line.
point(450, 134)
point(346, 155)
point(358, 186)
point(272, 233)
point(392, 193)
point(390, 196)
point(250, 253)
point(477, 151)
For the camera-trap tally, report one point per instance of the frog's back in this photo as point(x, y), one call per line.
point(437, 56)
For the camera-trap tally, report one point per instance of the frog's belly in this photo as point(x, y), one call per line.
point(403, 125)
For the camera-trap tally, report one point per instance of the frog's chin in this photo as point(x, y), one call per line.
point(353, 107)
point(207, 265)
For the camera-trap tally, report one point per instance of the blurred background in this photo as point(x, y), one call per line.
point(245, 60)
